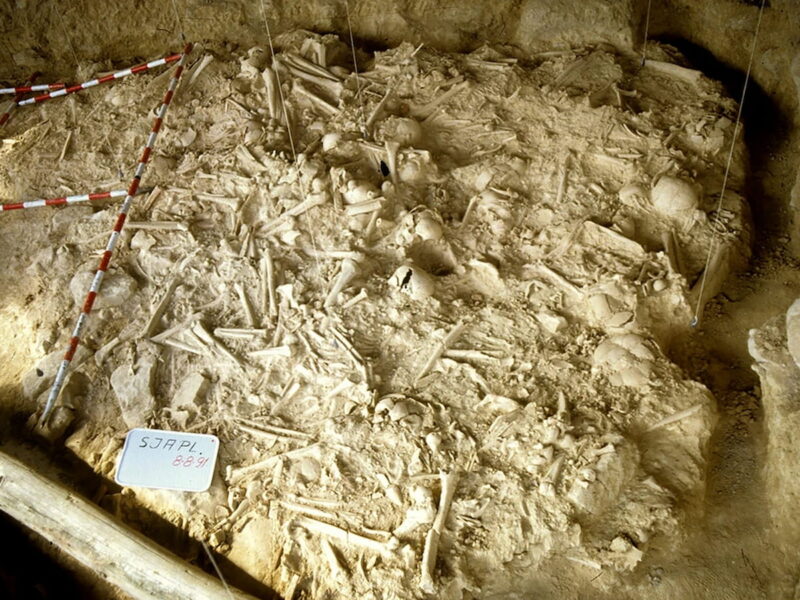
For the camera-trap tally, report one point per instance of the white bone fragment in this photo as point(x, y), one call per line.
point(232, 203)
point(238, 474)
point(357, 191)
point(273, 94)
point(198, 68)
point(335, 562)
point(246, 306)
point(673, 418)
point(562, 182)
point(363, 207)
point(449, 482)
point(674, 197)
point(558, 279)
point(547, 486)
point(284, 351)
point(497, 403)
point(592, 564)
point(295, 211)
point(65, 146)
point(346, 537)
point(688, 75)
point(392, 148)
point(157, 225)
point(330, 141)
point(306, 65)
point(282, 431)
point(183, 346)
point(448, 341)
point(428, 227)
point(413, 281)
point(377, 111)
point(155, 318)
point(239, 333)
point(269, 304)
point(316, 100)
point(204, 335)
point(348, 271)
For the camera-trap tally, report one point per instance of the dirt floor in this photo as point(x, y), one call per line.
point(487, 265)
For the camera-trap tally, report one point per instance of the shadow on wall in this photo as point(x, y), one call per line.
point(766, 128)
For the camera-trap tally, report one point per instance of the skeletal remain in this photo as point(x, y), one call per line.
point(392, 148)
point(422, 512)
point(239, 333)
point(328, 82)
point(246, 306)
point(65, 146)
point(269, 304)
point(198, 68)
point(362, 295)
point(688, 75)
point(330, 141)
point(348, 271)
point(157, 225)
point(628, 357)
point(317, 100)
point(300, 63)
point(184, 346)
point(413, 281)
point(295, 211)
point(347, 537)
point(562, 182)
point(559, 279)
point(335, 562)
point(674, 197)
point(428, 227)
point(363, 207)
point(547, 486)
point(285, 351)
point(675, 417)
point(274, 429)
point(237, 475)
point(232, 203)
point(449, 482)
point(155, 318)
point(377, 111)
point(206, 337)
point(446, 342)
point(273, 94)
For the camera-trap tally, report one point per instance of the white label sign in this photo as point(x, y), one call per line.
point(168, 460)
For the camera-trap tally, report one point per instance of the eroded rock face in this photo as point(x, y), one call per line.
point(773, 347)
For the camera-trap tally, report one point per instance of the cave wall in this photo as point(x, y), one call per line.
point(34, 31)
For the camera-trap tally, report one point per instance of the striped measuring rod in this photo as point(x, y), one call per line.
point(105, 79)
point(112, 240)
point(13, 104)
point(63, 200)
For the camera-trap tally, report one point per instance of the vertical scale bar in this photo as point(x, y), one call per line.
point(112, 240)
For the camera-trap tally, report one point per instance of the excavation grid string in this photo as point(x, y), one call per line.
point(105, 79)
point(112, 241)
point(646, 32)
point(717, 219)
point(355, 69)
point(63, 200)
